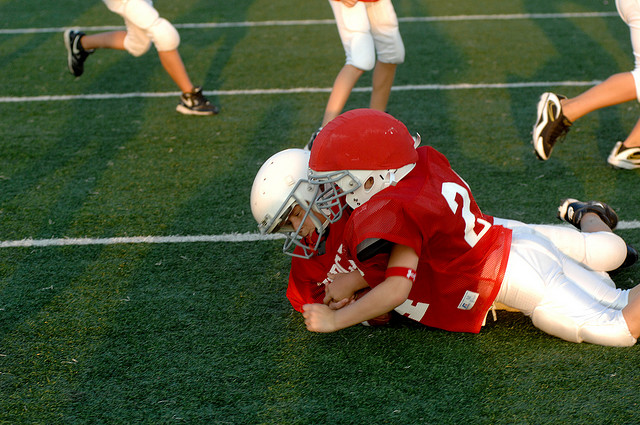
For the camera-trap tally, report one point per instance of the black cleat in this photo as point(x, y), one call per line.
point(76, 54)
point(572, 210)
point(195, 103)
point(624, 158)
point(632, 257)
point(551, 125)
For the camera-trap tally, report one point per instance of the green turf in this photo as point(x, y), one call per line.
point(202, 332)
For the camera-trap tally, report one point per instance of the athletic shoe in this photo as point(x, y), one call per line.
point(551, 125)
point(309, 144)
point(627, 158)
point(632, 257)
point(76, 54)
point(573, 210)
point(195, 103)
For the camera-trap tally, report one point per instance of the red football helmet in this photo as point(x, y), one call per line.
point(358, 147)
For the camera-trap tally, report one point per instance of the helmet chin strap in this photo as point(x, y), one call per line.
point(320, 225)
point(392, 178)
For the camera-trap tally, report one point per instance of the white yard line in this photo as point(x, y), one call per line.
point(296, 90)
point(225, 238)
point(229, 237)
point(277, 23)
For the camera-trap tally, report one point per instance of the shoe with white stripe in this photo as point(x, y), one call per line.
point(551, 125)
point(572, 211)
point(625, 158)
point(196, 103)
point(76, 54)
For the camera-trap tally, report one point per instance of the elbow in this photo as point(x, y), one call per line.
point(398, 300)
point(400, 295)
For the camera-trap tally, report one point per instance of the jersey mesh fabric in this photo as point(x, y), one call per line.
point(455, 262)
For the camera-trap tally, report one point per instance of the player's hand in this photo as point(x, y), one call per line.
point(337, 305)
point(342, 287)
point(319, 318)
point(349, 3)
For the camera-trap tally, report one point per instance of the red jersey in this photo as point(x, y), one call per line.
point(307, 276)
point(463, 256)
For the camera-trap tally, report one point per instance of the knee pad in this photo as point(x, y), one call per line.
point(604, 251)
point(362, 53)
point(143, 15)
point(608, 328)
point(164, 35)
point(161, 33)
point(601, 251)
point(391, 50)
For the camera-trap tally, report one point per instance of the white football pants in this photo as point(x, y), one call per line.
point(144, 26)
point(367, 28)
point(562, 297)
point(629, 11)
point(600, 251)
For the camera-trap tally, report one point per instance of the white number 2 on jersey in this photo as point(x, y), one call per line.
point(449, 191)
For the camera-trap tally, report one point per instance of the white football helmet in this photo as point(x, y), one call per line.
point(280, 185)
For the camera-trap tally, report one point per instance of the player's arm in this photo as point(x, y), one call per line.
point(383, 298)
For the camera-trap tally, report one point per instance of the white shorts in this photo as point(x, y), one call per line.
point(144, 26)
point(629, 11)
point(366, 29)
point(562, 297)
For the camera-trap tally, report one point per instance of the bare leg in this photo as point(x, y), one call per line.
point(618, 88)
point(383, 76)
point(591, 222)
point(633, 139)
point(172, 63)
point(631, 312)
point(342, 86)
point(171, 60)
point(104, 40)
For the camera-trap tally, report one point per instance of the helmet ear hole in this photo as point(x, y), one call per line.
point(369, 183)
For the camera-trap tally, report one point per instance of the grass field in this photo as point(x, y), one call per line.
point(200, 331)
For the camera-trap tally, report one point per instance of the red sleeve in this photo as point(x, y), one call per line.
point(384, 219)
point(303, 285)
